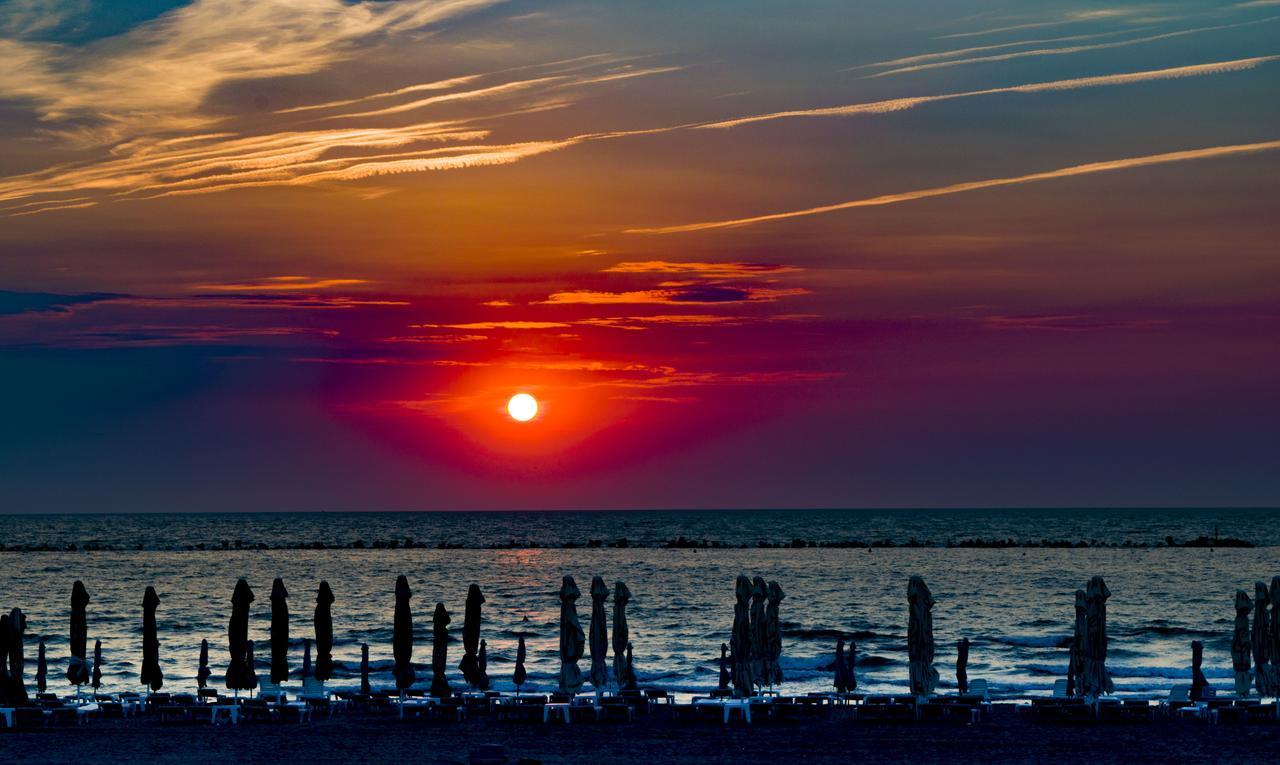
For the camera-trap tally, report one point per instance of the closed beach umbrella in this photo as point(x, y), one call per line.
point(725, 677)
point(1075, 665)
point(1240, 643)
point(1275, 635)
point(240, 669)
point(96, 683)
point(920, 647)
point(740, 639)
point(365, 687)
point(853, 667)
point(572, 639)
point(773, 630)
point(1260, 640)
point(17, 689)
point(759, 632)
point(306, 658)
point(402, 636)
point(520, 675)
point(4, 660)
point(482, 666)
point(279, 632)
point(78, 667)
point(630, 682)
point(250, 677)
point(202, 674)
point(42, 670)
point(324, 632)
point(1095, 680)
point(471, 637)
point(840, 681)
point(151, 675)
point(439, 652)
point(1198, 680)
point(962, 664)
point(599, 634)
point(622, 633)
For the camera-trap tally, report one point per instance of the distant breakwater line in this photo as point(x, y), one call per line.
point(678, 543)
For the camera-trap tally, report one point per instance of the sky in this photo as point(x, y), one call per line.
point(298, 254)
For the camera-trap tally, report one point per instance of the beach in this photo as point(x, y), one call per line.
point(355, 737)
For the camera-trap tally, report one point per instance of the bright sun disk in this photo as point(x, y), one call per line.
point(522, 407)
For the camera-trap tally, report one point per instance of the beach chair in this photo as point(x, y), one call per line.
point(1060, 689)
point(272, 692)
point(312, 687)
point(979, 688)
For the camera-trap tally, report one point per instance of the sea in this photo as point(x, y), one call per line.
point(1005, 579)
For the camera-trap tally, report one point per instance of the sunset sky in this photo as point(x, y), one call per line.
point(298, 254)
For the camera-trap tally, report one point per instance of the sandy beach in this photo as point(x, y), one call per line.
point(355, 737)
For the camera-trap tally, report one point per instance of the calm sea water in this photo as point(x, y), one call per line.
point(1015, 605)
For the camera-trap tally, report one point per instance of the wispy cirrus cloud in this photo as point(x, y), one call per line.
point(1069, 50)
point(700, 269)
point(1067, 323)
point(958, 188)
point(910, 102)
point(280, 284)
point(708, 294)
point(1075, 17)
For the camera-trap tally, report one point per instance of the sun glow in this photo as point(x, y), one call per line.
point(522, 407)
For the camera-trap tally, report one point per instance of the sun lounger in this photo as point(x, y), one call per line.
point(1060, 689)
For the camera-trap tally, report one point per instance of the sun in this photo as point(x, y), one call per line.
point(522, 407)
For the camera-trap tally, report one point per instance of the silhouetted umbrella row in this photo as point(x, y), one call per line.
point(13, 626)
point(151, 675)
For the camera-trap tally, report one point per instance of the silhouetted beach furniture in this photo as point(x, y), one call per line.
point(962, 664)
point(759, 633)
point(572, 639)
point(920, 646)
point(78, 637)
point(323, 622)
point(471, 618)
point(1260, 642)
point(279, 632)
point(520, 675)
point(439, 652)
point(623, 673)
point(42, 669)
point(740, 639)
point(203, 673)
point(1240, 651)
point(240, 675)
point(96, 679)
point(773, 633)
point(402, 637)
point(150, 676)
point(599, 635)
point(1195, 691)
point(365, 687)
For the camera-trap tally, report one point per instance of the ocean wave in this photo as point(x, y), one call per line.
point(1032, 641)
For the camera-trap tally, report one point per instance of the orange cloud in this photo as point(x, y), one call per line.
point(279, 284)
point(708, 270)
point(710, 294)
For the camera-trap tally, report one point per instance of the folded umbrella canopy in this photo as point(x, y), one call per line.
point(151, 675)
point(920, 646)
point(471, 638)
point(1198, 680)
point(42, 669)
point(572, 639)
point(1260, 641)
point(520, 674)
point(853, 667)
point(78, 667)
point(962, 665)
point(250, 673)
point(439, 652)
point(630, 683)
point(482, 665)
point(1075, 664)
point(599, 641)
point(402, 636)
point(202, 674)
point(240, 675)
point(773, 633)
point(365, 687)
point(4, 661)
point(725, 677)
point(759, 632)
point(1275, 635)
point(96, 683)
point(840, 669)
point(621, 632)
point(1095, 681)
point(323, 621)
point(17, 657)
point(1240, 643)
point(740, 639)
point(306, 658)
point(279, 632)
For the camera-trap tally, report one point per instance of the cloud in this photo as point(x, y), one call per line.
point(481, 325)
point(1069, 49)
point(1066, 323)
point(705, 270)
point(696, 294)
point(280, 284)
point(13, 303)
point(955, 53)
point(1076, 17)
point(902, 104)
point(957, 188)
